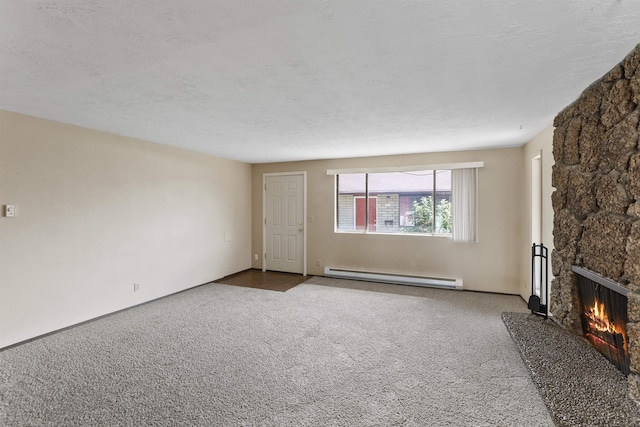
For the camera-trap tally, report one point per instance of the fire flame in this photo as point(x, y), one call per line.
point(605, 335)
point(600, 320)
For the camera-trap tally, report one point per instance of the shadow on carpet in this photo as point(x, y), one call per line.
point(579, 386)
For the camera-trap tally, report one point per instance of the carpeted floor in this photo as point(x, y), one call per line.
point(325, 353)
point(579, 386)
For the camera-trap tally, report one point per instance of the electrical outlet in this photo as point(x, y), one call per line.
point(319, 262)
point(255, 257)
point(9, 211)
point(136, 287)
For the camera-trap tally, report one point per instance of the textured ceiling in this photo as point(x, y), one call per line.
point(266, 80)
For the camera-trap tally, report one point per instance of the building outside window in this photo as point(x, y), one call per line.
point(395, 202)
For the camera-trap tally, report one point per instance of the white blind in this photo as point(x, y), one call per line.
point(464, 189)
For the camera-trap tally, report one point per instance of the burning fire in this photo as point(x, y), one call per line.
point(607, 335)
point(599, 319)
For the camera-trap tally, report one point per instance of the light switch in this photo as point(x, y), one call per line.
point(9, 210)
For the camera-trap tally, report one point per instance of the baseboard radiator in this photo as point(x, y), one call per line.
point(400, 279)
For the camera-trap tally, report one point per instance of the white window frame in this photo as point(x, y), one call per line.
point(434, 167)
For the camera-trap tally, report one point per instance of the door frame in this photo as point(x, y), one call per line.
point(536, 222)
point(304, 217)
point(536, 199)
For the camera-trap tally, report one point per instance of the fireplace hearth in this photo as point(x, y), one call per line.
point(603, 314)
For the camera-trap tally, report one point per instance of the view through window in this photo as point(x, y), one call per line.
point(395, 202)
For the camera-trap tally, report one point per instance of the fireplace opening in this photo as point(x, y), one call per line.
point(603, 312)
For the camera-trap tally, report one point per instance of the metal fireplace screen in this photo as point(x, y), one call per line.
point(603, 312)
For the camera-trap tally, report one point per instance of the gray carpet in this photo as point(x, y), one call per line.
point(326, 353)
point(580, 386)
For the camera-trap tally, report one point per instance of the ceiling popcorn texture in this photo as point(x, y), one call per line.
point(264, 81)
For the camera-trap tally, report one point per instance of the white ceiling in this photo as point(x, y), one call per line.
point(276, 80)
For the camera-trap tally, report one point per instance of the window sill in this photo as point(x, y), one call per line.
point(375, 233)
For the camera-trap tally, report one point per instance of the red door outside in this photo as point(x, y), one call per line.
point(361, 214)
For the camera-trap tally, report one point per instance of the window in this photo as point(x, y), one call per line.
point(395, 202)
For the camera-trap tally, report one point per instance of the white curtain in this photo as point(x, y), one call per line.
point(464, 188)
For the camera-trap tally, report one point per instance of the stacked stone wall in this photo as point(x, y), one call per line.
point(597, 198)
point(388, 213)
point(346, 212)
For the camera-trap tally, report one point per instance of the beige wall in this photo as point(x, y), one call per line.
point(97, 212)
point(493, 264)
point(541, 144)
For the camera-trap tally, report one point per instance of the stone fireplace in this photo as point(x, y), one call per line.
point(597, 199)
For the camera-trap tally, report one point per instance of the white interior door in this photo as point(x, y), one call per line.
point(284, 223)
